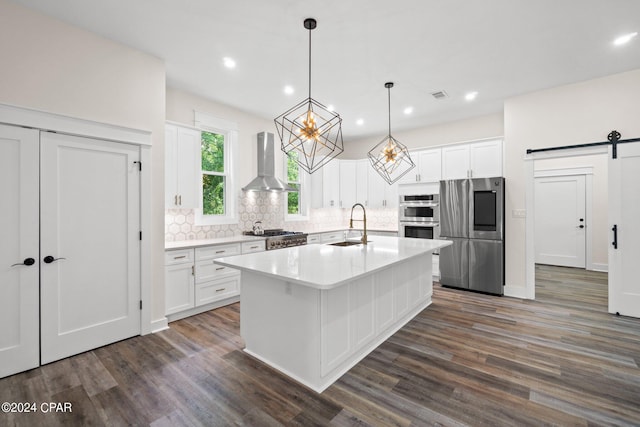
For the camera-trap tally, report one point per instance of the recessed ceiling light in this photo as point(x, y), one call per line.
point(624, 39)
point(330, 107)
point(288, 90)
point(408, 110)
point(360, 122)
point(471, 96)
point(229, 62)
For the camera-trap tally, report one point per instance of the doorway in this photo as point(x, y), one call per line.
point(563, 188)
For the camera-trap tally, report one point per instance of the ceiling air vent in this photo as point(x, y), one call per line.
point(439, 94)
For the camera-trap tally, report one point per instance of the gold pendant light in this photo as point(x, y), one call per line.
point(390, 158)
point(309, 128)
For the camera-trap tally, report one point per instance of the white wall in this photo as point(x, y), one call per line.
point(446, 133)
point(572, 114)
point(50, 66)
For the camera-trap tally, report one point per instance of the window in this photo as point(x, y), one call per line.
point(213, 173)
point(295, 177)
point(217, 192)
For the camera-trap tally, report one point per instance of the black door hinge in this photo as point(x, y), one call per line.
point(139, 165)
point(140, 304)
point(141, 235)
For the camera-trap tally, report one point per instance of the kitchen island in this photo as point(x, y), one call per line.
point(314, 311)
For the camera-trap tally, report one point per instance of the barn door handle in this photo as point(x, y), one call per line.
point(615, 236)
point(27, 262)
point(49, 259)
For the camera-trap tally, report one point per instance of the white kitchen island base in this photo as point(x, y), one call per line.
point(316, 335)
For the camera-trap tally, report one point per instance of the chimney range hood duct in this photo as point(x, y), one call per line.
point(266, 180)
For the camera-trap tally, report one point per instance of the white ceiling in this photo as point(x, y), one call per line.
point(500, 48)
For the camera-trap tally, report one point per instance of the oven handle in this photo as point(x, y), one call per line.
point(420, 224)
point(420, 204)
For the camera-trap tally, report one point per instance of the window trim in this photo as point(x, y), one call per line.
point(229, 130)
point(303, 193)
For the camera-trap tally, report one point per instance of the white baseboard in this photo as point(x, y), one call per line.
point(159, 325)
point(515, 292)
point(600, 267)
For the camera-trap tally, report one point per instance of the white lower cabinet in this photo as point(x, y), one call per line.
point(179, 288)
point(195, 283)
point(313, 239)
point(215, 290)
point(333, 237)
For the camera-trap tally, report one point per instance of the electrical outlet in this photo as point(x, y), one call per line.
point(519, 213)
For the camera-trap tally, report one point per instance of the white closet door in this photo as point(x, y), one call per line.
point(560, 220)
point(624, 211)
point(90, 222)
point(19, 323)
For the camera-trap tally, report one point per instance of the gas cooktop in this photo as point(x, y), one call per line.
point(278, 238)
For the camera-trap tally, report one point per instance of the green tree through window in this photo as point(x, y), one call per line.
point(213, 173)
point(293, 179)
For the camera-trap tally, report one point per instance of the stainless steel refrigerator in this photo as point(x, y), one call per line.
point(472, 217)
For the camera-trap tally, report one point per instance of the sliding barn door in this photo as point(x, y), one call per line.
point(90, 248)
point(624, 218)
point(19, 322)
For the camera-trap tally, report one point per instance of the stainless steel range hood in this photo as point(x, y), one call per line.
point(266, 180)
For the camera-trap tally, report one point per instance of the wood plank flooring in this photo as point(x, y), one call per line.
point(468, 359)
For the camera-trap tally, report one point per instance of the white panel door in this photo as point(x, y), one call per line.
point(624, 211)
point(560, 221)
point(19, 320)
point(90, 222)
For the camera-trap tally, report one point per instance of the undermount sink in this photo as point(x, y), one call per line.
point(347, 243)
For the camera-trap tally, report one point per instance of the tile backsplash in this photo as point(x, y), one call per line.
point(179, 224)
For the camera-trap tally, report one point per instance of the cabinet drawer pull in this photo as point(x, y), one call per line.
point(220, 252)
point(220, 268)
point(179, 257)
point(254, 247)
point(220, 290)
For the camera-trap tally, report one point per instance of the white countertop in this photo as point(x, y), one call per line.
point(323, 266)
point(184, 244)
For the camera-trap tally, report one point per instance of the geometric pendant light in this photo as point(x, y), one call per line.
point(390, 158)
point(309, 128)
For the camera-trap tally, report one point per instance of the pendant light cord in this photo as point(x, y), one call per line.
point(310, 62)
point(389, 93)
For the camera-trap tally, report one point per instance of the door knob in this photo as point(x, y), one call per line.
point(49, 259)
point(27, 262)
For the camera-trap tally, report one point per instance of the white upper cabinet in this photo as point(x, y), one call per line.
point(474, 160)
point(428, 167)
point(325, 186)
point(362, 181)
point(485, 159)
point(348, 184)
point(380, 193)
point(182, 167)
point(455, 162)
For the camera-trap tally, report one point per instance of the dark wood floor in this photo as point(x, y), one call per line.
point(468, 359)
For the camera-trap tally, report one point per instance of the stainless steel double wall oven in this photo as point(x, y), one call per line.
point(419, 216)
